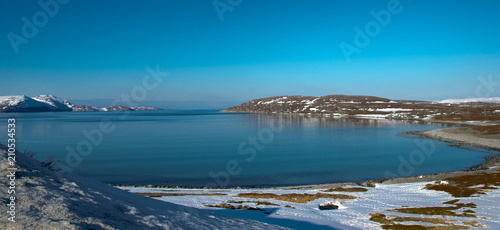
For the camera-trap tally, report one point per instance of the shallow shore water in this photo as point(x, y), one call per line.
point(491, 163)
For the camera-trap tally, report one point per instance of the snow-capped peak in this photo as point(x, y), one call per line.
point(54, 101)
point(22, 103)
point(469, 100)
point(6, 101)
point(46, 97)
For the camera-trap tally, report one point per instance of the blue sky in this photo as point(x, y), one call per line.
point(98, 50)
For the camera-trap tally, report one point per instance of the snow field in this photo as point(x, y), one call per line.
point(353, 214)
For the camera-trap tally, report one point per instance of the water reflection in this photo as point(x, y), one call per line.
point(313, 120)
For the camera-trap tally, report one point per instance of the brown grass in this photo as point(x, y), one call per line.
point(351, 189)
point(468, 117)
point(155, 194)
point(474, 223)
point(229, 206)
point(478, 179)
point(441, 211)
point(390, 223)
point(468, 205)
point(380, 218)
point(469, 211)
point(384, 220)
point(456, 191)
point(488, 130)
point(422, 227)
point(420, 219)
point(258, 202)
point(461, 186)
point(294, 197)
point(451, 201)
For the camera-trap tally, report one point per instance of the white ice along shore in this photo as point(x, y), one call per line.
point(45, 201)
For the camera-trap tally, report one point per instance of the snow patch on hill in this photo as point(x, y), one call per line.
point(6, 101)
point(54, 101)
point(469, 100)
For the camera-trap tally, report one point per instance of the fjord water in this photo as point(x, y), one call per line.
point(205, 147)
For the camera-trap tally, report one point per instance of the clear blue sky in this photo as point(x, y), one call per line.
point(92, 49)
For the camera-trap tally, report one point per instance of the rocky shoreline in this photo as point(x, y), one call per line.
point(452, 136)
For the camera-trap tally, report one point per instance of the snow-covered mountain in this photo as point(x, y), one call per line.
point(22, 103)
point(50, 103)
point(469, 100)
point(56, 102)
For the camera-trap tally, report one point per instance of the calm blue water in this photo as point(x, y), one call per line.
point(199, 148)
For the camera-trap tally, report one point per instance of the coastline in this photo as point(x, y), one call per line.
point(449, 135)
point(454, 136)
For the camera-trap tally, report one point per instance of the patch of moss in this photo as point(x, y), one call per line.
point(230, 206)
point(441, 211)
point(451, 201)
point(422, 227)
point(295, 197)
point(258, 202)
point(395, 222)
point(153, 194)
point(350, 189)
point(466, 186)
point(455, 191)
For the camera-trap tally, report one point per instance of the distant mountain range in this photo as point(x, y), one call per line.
point(50, 103)
point(370, 107)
